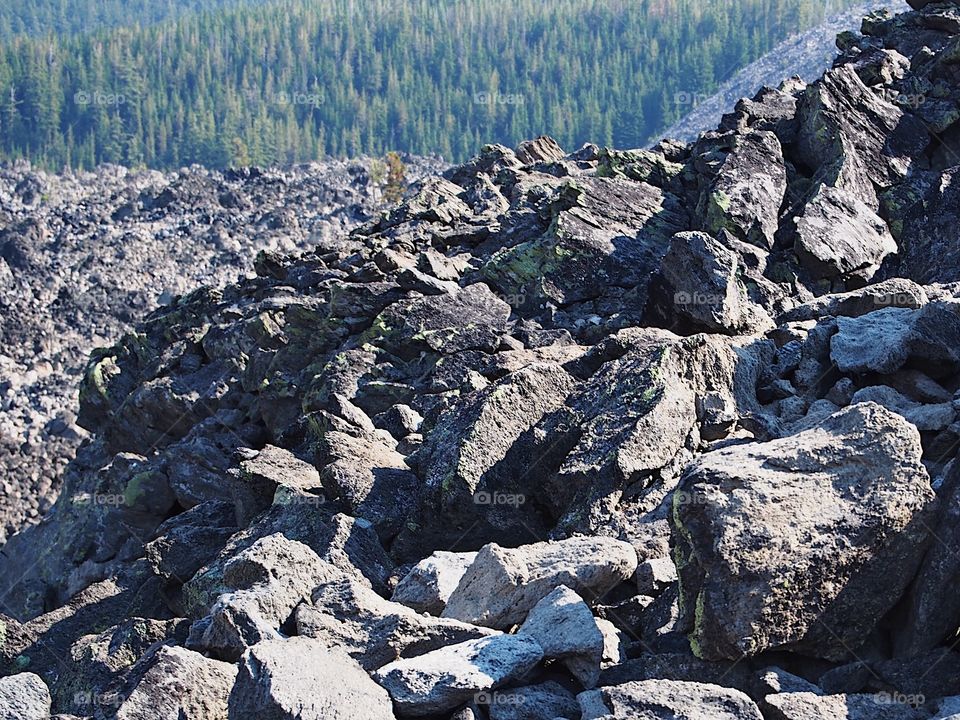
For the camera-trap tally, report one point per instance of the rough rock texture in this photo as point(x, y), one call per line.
point(85, 256)
point(543, 370)
point(301, 679)
point(805, 542)
point(24, 697)
point(651, 699)
point(443, 679)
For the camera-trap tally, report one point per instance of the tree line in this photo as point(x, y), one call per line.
point(295, 80)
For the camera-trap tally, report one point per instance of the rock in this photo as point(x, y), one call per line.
point(752, 560)
point(748, 190)
point(259, 477)
point(443, 679)
point(680, 700)
point(838, 235)
point(299, 678)
point(566, 630)
point(932, 610)
point(546, 701)
point(542, 150)
point(931, 223)
point(431, 582)
point(179, 684)
point(808, 706)
point(502, 585)
point(893, 293)
point(925, 417)
point(268, 580)
point(679, 666)
point(653, 576)
point(24, 697)
point(346, 615)
point(703, 277)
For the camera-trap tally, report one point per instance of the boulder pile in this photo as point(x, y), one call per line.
point(609, 434)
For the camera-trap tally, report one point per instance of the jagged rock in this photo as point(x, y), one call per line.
point(300, 678)
point(542, 150)
point(884, 340)
point(566, 630)
point(931, 225)
point(474, 435)
point(431, 582)
point(925, 417)
point(932, 609)
point(179, 684)
point(747, 192)
point(774, 680)
point(681, 700)
point(896, 293)
point(679, 666)
point(838, 235)
point(654, 575)
point(344, 542)
point(503, 585)
point(935, 673)
point(764, 565)
point(371, 478)
point(546, 701)
point(259, 477)
point(346, 615)
point(808, 706)
point(267, 581)
point(703, 276)
point(24, 697)
point(443, 679)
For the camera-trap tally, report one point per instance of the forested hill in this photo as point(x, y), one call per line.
point(64, 17)
point(293, 80)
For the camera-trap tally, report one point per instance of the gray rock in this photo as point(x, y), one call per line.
point(566, 630)
point(300, 679)
point(654, 699)
point(765, 565)
point(808, 706)
point(748, 190)
point(258, 478)
point(838, 235)
point(925, 417)
point(443, 679)
point(24, 697)
point(502, 585)
point(896, 292)
point(703, 277)
point(654, 575)
point(431, 582)
point(268, 580)
point(180, 684)
point(347, 615)
point(546, 701)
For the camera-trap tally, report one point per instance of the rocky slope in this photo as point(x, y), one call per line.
point(602, 434)
point(83, 256)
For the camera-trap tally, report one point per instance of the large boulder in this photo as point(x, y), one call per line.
point(443, 679)
point(301, 679)
point(503, 585)
point(431, 582)
point(810, 706)
point(802, 543)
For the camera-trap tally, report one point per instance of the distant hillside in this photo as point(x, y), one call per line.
point(298, 79)
point(806, 55)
